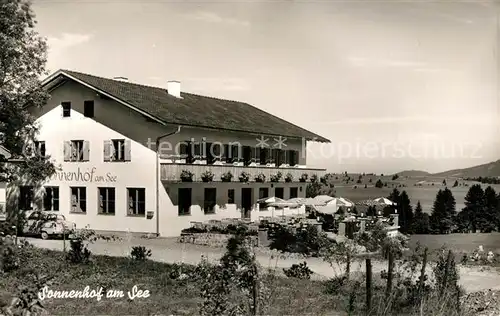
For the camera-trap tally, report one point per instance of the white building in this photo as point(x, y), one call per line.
point(103, 133)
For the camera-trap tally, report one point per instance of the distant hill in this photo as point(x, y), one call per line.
point(491, 169)
point(413, 173)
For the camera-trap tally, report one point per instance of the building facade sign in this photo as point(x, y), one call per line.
point(84, 176)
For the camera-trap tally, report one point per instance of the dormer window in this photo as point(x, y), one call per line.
point(66, 109)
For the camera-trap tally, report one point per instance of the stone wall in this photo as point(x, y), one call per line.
point(211, 239)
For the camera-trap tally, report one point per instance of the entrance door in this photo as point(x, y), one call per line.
point(246, 202)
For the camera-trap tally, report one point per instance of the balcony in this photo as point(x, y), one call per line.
point(172, 171)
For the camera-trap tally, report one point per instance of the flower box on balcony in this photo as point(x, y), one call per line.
point(186, 176)
point(303, 177)
point(227, 177)
point(260, 178)
point(244, 177)
point(276, 177)
point(207, 176)
point(288, 177)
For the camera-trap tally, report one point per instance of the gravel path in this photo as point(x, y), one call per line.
point(168, 250)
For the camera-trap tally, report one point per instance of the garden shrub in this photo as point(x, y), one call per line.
point(78, 252)
point(299, 271)
point(140, 253)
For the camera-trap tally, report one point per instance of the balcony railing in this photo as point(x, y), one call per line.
point(172, 171)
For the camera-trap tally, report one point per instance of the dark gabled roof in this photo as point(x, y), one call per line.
point(192, 109)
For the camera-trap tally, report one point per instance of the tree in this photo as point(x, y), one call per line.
point(444, 182)
point(405, 213)
point(395, 177)
point(22, 63)
point(488, 222)
point(404, 208)
point(455, 184)
point(379, 184)
point(473, 211)
point(443, 212)
point(420, 223)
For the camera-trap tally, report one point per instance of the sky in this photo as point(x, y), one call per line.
point(394, 85)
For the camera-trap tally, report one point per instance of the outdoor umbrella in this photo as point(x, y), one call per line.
point(346, 202)
point(300, 201)
point(325, 209)
point(284, 204)
point(272, 199)
point(318, 200)
point(377, 202)
point(384, 201)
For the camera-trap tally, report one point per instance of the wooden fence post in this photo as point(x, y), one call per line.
point(368, 286)
point(422, 274)
point(255, 291)
point(390, 273)
point(446, 272)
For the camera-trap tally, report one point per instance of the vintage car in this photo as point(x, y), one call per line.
point(47, 224)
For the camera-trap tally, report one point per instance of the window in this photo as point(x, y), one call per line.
point(294, 192)
point(40, 148)
point(88, 108)
point(184, 201)
point(209, 200)
point(66, 109)
point(292, 157)
point(136, 201)
point(78, 199)
point(263, 193)
point(230, 196)
point(76, 150)
point(51, 199)
point(279, 156)
point(106, 201)
point(279, 192)
point(26, 198)
point(117, 150)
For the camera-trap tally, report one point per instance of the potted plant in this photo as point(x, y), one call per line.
point(303, 177)
point(288, 177)
point(314, 178)
point(260, 178)
point(207, 176)
point(226, 176)
point(276, 177)
point(186, 176)
point(244, 176)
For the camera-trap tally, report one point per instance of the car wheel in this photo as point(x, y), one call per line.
point(45, 236)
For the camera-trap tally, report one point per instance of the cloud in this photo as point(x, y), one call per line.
point(480, 120)
point(211, 17)
point(374, 62)
point(218, 84)
point(58, 44)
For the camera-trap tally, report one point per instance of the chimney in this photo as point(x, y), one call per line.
point(174, 88)
point(123, 79)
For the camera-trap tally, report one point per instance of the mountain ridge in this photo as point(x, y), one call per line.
point(490, 169)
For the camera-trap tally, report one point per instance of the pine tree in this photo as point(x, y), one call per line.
point(379, 184)
point(470, 216)
point(488, 221)
point(455, 184)
point(420, 223)
point(406, 213)
point(443, 212)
